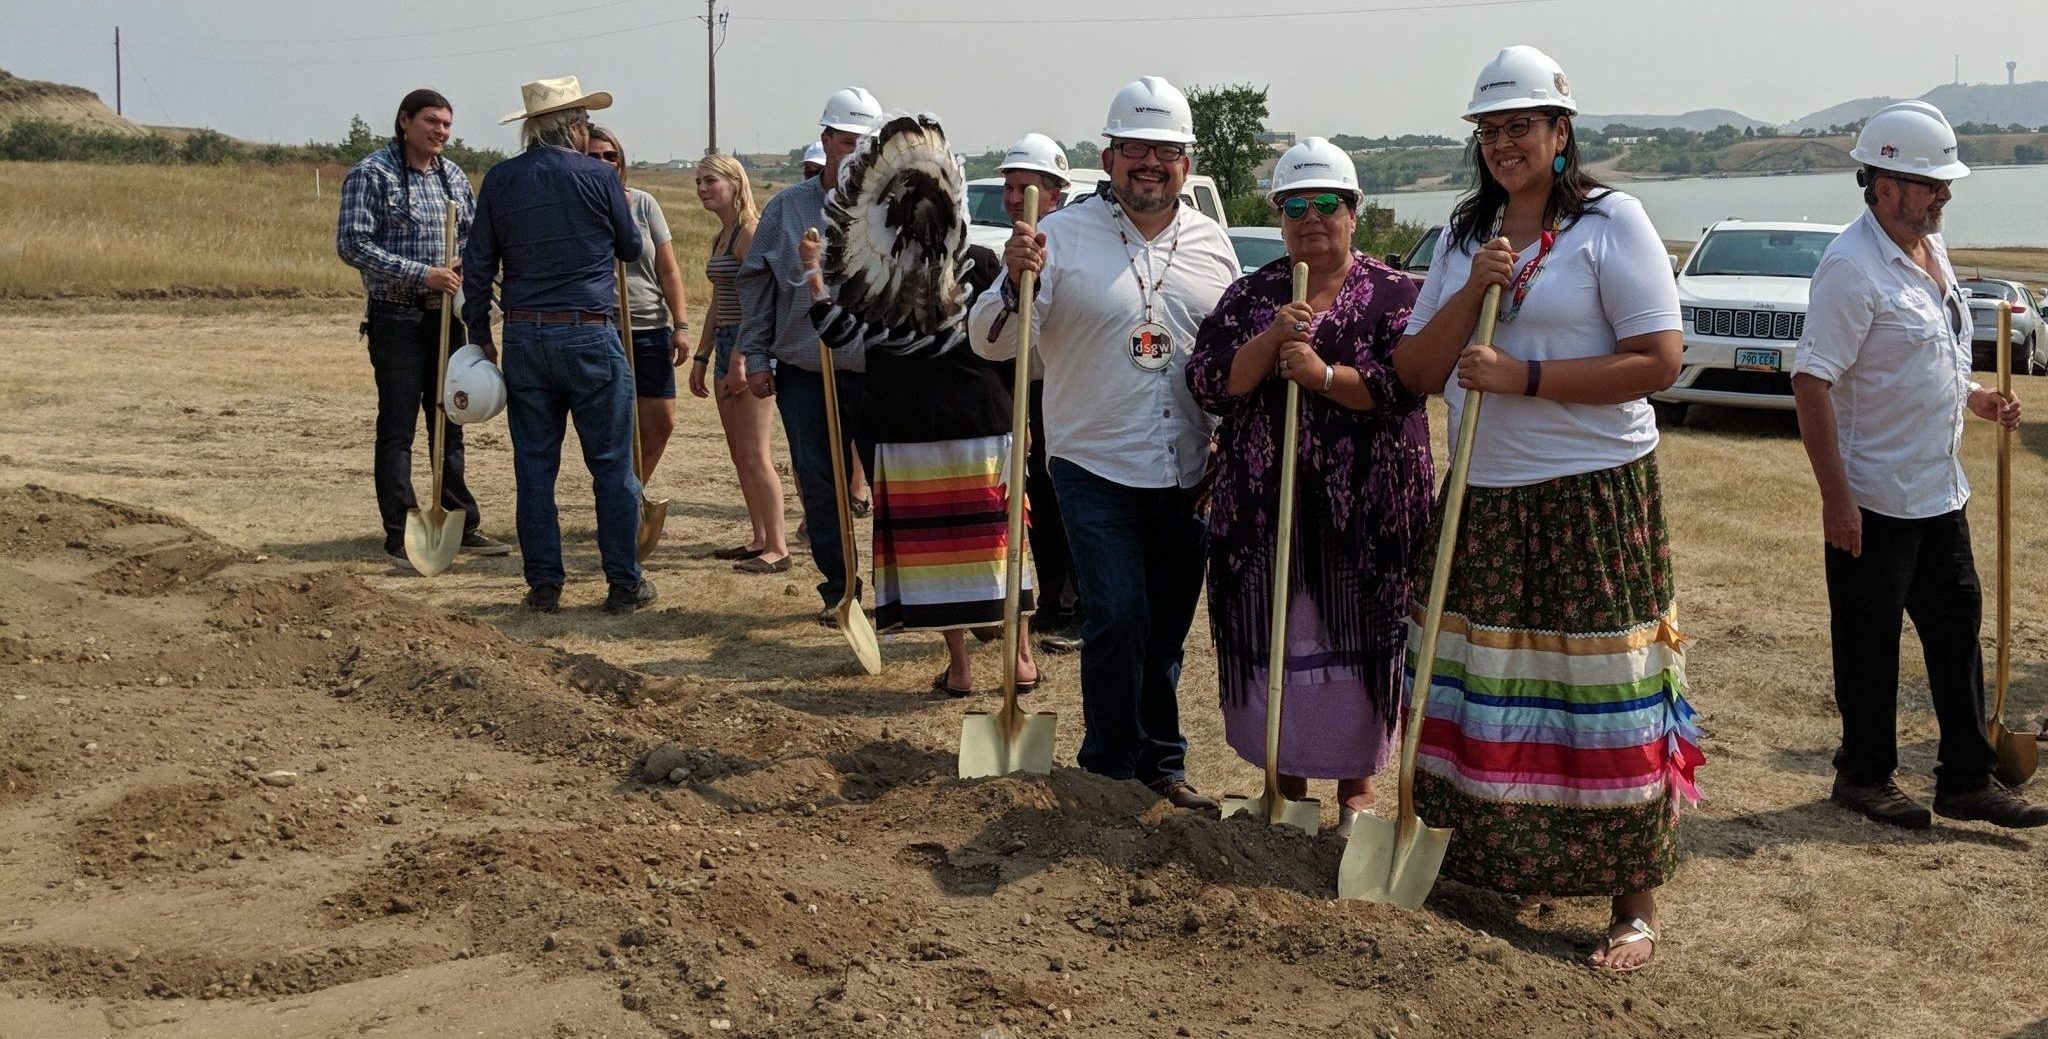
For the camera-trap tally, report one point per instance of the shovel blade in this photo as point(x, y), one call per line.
point(431, 540)
point(2019, 754)
point(653, 514)
point(860, 634)
point(986, 750)
point(1378, 866)
point(1306, 816)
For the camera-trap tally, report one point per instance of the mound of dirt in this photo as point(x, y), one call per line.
point(238, 777)
point(76, 107)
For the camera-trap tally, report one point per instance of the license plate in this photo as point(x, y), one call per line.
point(1757, 361)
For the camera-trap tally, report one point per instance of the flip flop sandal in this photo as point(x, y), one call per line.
point(940, 685)
point(1027, 688)
point(755, 565)
point(1638, 931)
point(861, 507)
point(737, 552)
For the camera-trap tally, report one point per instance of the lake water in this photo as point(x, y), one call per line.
point(1997, 206)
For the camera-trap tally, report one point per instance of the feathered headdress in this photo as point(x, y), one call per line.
point(896, 241)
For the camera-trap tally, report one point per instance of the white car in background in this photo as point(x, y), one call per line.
point(988, 223)
point(1742, 301)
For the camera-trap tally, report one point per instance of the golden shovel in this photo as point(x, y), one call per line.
point(853, 621)
point(653, 511)
point(1271, 806)
point(1010, 740)
point(1396, 860)
point(434, 536)
point(2019, 754)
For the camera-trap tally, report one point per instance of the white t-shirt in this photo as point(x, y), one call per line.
point(1608, 278)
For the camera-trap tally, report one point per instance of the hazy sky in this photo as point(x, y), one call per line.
point(292, 71)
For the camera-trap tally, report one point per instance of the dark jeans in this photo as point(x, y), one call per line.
point(1049, 551)
point(1922, 569)
point(405, 349)
point(1138, 554)
point(800, 397)
point(553, 372)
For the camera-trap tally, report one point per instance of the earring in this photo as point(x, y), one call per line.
point(1557, 164)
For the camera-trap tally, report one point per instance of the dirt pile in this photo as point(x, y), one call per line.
point(267, 779)
point(71, 106)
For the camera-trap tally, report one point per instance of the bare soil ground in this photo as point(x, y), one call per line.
point(255, 782)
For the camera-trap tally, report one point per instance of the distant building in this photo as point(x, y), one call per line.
point(1279, 140)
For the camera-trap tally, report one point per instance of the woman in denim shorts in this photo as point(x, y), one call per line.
point(654, 295)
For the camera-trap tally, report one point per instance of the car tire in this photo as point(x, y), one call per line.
point(1670, 413)
point(2035, 364)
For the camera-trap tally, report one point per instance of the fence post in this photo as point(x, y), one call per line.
point(316, 182)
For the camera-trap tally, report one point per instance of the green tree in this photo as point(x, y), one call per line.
point(1228, 122)
point(1084, 155)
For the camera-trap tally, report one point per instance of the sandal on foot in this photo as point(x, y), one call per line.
point(860, 507)
point(1027, 688)
point(940, 685)
point(1638, 931)
point(736, 552)
point(757, 565)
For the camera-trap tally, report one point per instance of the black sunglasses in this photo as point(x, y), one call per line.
point(1926, 182)
point(1164, 151)
point(1297, 207)
point(606, 156)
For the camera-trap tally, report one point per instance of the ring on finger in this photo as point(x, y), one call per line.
point(1301, 326)
point(1283, 365)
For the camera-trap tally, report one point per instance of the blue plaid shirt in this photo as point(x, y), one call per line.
point(390, 225)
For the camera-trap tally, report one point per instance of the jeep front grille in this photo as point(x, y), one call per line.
point(1747, 324)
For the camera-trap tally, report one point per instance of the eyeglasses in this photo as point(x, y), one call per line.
point(1297, 207)
point(606, 156)
point(1516, 129)
point(1163, 151)
point(1926, 182)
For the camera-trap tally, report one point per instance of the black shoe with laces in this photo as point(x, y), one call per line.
point(1995, 804)
point(625, 598)
point(1881, 802)
point(477, 544)
point(543, 598)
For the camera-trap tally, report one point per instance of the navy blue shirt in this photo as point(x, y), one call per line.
point(555, 220)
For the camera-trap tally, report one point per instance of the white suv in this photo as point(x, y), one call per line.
point(988, 223)
point(1742, 300)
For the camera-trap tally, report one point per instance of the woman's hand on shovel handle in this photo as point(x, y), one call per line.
point(1486, 369)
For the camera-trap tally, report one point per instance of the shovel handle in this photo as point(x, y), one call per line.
point(849, 553)
point(1020, 435)
point(1440, 575)
point(449, 216)
point(632, 370)
point(1283, 560)
point(2003, 669)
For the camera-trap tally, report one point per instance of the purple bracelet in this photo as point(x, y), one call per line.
point(1535, 378)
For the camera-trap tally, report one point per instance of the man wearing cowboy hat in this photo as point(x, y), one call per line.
point(555, 219)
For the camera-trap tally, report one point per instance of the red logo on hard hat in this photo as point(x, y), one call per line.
point(461, 400)
point(1564, 89)
point(1889, 151)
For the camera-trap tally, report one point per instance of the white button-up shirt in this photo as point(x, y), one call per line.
point(1103, 411)
point(1895, 344)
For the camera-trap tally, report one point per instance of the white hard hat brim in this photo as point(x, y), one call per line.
point(1319, 184)
point(849, 127)
point(1036, 167)
point(1141, 134)
point(1947, 171)
point(1515, 104)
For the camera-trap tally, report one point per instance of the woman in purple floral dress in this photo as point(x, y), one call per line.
point(1363, 487)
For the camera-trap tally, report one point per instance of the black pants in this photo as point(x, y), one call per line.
point(1049, 551)
point(405, 347)
point(1921, 569)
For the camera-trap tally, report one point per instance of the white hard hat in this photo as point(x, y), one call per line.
point(1037, 152)
point(851, 109)
point(1150, 109)
point(475, 391)
point(1520, 77)
point(1910, 137)
point(815, 154)
point(1314, 163)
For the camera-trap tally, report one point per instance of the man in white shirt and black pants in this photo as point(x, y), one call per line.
point(1883, 386)
point(1124, 281)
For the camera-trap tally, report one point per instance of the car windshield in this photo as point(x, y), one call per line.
point(985, 205)
point(1760, 254)
point(1424, 252)
point(1989, 290)
point(1254, 253)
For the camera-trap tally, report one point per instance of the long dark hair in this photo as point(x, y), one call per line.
point(424, 97)
point(1572, 193)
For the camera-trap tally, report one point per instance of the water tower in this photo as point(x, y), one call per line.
point(2009, 67)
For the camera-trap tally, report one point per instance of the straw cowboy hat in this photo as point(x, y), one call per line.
point(554, 95)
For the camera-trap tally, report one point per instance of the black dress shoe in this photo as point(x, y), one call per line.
point(543, 598)
point(1184, 795)
point(1881, 802)
point(477, 544)
point(1995, 804)
point(627, 598)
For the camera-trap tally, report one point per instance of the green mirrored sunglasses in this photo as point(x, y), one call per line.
point(1297, 207)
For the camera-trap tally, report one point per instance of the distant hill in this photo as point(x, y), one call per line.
point(1699, 121)
point(71, 106)
point(1995, 103)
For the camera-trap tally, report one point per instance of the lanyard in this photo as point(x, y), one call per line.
point(1520, 289)
point(1145, 295)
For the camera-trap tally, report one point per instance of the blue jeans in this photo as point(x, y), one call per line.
point(1138, 557)
point(553, 372)
point(800, 397)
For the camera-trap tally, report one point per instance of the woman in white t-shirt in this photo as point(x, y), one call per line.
point(1558, 745)
point(660, 313)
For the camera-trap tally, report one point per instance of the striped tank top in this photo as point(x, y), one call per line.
point(719, 270)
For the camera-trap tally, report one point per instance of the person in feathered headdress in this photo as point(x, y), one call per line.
point(938, 415)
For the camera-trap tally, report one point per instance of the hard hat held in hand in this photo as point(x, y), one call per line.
point(1039, 153)
point(1150, 109)
point(1910, 137)
point(1314, 163)
point(475, 391)
point(1520, 77)
point(851, 109)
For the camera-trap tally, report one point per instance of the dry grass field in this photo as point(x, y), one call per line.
point(235, 608)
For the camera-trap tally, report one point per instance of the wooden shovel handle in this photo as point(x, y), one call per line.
point(2002, 671)
point(1012, 717)
point(1283, 560)
point(449, 217)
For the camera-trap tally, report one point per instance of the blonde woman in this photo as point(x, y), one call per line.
point(723, 189)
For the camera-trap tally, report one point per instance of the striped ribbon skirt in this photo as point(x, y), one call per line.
point(941, 535)
point(1558, 743)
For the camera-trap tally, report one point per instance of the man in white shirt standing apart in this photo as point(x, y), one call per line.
point(1125, 278)
point(1883, 386)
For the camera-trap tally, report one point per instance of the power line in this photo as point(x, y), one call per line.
point(1155, 18)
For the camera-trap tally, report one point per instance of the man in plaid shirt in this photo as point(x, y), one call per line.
point(393, 206)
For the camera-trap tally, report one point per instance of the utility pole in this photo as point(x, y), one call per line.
point(117, 70)
point(714, 31)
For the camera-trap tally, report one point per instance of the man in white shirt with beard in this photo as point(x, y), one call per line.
point(1124, 280)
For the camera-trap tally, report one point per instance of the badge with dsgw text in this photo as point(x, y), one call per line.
point(1151, 346)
